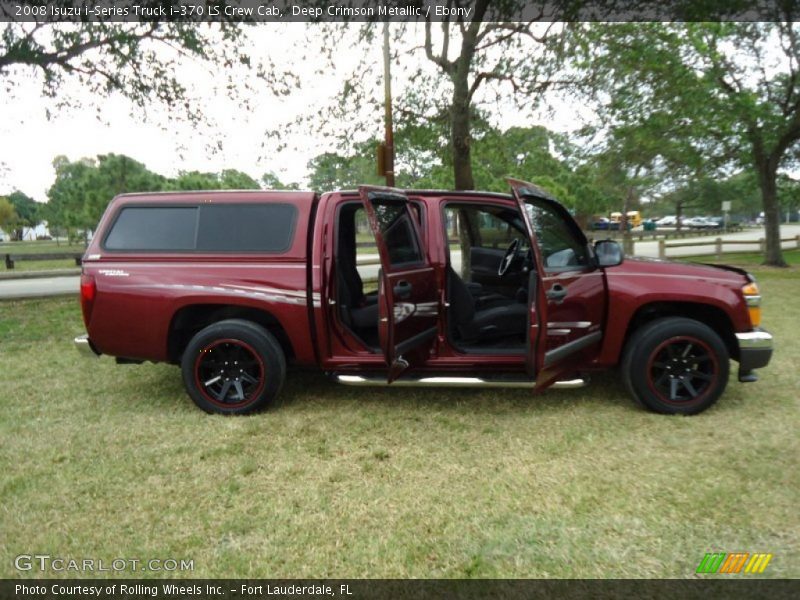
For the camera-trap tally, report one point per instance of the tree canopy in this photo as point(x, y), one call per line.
point(25, 213)
point(728, 92)
point(83, 188)
point(142, 61)
point(7, 215)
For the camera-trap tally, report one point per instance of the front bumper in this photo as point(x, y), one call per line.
point(84, 346)
point(755, 351)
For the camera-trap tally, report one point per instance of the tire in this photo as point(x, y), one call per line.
point(233, 367)
point(676, 365)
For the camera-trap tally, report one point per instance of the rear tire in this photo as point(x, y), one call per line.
point(233, 367)
point(676, 365)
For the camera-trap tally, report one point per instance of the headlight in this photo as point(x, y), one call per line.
point(752, 296)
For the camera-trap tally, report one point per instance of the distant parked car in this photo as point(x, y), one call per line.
point(694, 222)
point(700, 223)
point(600, 223)
point(669, 221)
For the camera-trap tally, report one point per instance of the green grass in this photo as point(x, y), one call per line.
point(792, 257)
point(108, 461)
point(38, 247)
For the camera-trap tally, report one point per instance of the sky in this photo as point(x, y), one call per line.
point(32, 140)
point(30, 137)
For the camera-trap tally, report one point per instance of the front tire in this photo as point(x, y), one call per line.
point(233, 367)
point(676, 365)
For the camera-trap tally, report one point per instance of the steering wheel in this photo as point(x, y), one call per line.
point(508, 257)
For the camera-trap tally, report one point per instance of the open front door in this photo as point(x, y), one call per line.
point(537, 320)
point(408, 298)
point(567, 319)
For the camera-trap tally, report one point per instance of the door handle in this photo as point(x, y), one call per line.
point(402, 290)
point(557, 293)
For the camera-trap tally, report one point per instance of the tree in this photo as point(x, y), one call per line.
point(732, 87)
point(705, 196)
point(232, 179)
point(270, 181)
point(83, 188)
point(333, 171)
point(788, 195)
point(488, 52)
point(229, 179)
point(141, 61)
point(27, 214)
point(7, 215)
point(497, 53)
point(66, 197)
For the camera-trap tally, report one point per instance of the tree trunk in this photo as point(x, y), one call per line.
point(627, 240)
point(767, 180)
point(460, 130)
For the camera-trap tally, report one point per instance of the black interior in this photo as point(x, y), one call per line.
point(478, 319)
point(359, 311)
point(489, 312)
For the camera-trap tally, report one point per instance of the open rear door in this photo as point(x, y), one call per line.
point(408, 298)
point(537, 304)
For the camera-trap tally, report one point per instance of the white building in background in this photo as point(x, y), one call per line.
point(28, 233)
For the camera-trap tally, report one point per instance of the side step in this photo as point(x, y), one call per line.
point(451, 381)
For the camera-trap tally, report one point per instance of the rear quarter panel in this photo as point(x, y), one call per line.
point(139, 293)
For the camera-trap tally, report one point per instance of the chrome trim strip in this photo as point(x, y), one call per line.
point(620, 273)
point(433, 382)
point(569, 384)
point(448, 381)
point(83, 346)
point(758, 338)
point(569, 324)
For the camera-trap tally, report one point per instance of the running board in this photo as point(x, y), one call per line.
point(449, 381)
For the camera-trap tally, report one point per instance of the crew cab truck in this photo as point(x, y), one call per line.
point(405, 288)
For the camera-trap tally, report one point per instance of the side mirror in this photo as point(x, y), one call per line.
point(609, 253)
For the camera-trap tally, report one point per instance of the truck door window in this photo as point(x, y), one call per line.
point(559, 246)
point(395, 225)
point(478, 236)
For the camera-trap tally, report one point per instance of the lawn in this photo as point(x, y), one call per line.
point(38, 247)
point(743, 259)
point(108, 461)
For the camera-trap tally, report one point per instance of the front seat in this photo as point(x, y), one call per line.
point(469, 323)
point(359, 310)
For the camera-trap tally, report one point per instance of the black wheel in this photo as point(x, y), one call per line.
point(676, 366)
point(233, 367)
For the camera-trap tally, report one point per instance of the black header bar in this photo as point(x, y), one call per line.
point(709, 588)
point(277, 11)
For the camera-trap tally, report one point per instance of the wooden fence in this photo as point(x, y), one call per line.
point(719, 245)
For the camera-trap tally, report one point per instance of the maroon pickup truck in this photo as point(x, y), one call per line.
point(409, 288)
